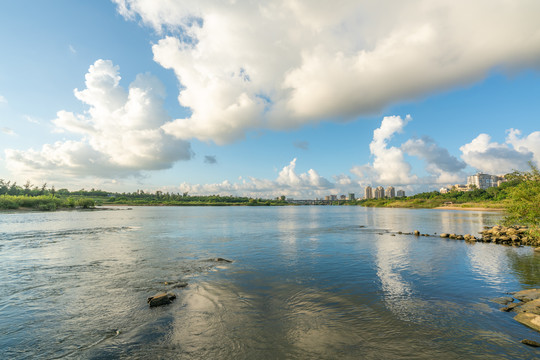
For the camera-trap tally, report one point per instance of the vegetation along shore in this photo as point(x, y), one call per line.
point(519, 198)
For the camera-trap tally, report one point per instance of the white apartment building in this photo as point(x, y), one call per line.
point(390, 192)
point(483, 181)
point(368, 192)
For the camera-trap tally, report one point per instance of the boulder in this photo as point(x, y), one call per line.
point(511, 306)
point(445, 235)
point(528, 319)
point(503, 300)
point(527, 295)
point(220, 260)
point(416, 233)
point(532, 307)
point(161, 299)
point(537, 249)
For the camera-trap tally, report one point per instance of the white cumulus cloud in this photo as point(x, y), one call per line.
point(289, 182)
point(246, 65)
point(389, 165)
point(494, 158)
point(120, 133)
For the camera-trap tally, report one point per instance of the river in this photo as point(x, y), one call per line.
point(306, 282)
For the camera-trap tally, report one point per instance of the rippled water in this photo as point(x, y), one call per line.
point(306, 282)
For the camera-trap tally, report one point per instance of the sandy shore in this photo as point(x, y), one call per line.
point(468, 208)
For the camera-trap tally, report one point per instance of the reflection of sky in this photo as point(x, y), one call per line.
point(489, 262)
point(392, 256)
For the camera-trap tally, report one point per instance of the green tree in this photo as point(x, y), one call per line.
point(524, 201)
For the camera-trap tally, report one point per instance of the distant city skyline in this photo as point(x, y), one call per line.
point(240, 98)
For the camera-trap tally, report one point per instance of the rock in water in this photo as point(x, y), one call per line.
point(416, 232)
point(161, 299)
point(528, 295)
point(220, 260)
point(503, 300)
point(511, 306)
point(528, 319)
point(532, 307)
point(530, 343)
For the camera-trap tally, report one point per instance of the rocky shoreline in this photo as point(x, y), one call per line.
point(504, 235)
point(527, 308)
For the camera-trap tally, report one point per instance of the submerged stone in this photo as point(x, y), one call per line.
point(530, 343)
point(161, 299)
point(220, 260)
point(503, 300)
point(511, 306)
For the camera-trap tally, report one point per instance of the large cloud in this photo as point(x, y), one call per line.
point(244, 65)
point(121, 132)
point(494, 158)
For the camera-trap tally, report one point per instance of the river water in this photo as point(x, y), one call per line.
point(307, 282)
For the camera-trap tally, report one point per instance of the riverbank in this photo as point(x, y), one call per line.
point(467, 208)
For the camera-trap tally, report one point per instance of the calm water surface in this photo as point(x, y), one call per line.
point(306, 283)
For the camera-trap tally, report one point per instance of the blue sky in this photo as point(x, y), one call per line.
point(296, 97)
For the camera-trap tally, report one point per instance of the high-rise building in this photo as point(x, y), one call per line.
point(483, 181)
point(351, 196)
point(368, 192)
point(390, 192)
point(379, 192)
point(400, 193)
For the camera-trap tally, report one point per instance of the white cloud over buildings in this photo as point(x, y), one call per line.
point(389, 165)
point(120, 134)
point(247, 65)
point(494, 158)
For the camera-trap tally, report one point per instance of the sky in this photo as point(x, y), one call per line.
point(290, 97)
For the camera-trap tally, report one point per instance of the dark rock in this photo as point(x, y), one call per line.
point(220, 260)
point(530, 343)
point(161, 299)
point(179, 284)
point(511, 306)
point(416, 233)
point(452, 236)
point(445, 235)
point(503, 300)
point(400, 232)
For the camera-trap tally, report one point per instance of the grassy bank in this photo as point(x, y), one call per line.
point(43, 202)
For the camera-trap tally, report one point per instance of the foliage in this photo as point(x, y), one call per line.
point(524, 201)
